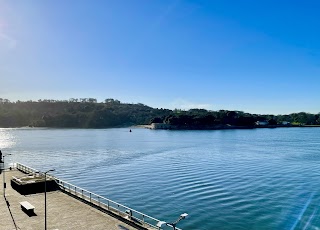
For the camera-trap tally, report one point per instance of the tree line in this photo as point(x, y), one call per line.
point(75, 113)
point(89, 113)
point(203, 118)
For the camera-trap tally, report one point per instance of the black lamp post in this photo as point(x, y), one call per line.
point(173, 224)
point(4, 178)
point(45, 198)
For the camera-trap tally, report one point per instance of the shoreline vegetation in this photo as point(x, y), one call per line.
point(111, 113)
point(220, 127)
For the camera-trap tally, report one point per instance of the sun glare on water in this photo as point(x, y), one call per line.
point(7, 139)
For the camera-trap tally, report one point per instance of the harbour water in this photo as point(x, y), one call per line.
point(224, 179)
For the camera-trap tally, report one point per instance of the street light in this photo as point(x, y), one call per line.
point(173, 224)
point(4, 178)
point(45, 198)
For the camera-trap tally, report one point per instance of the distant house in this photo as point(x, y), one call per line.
point(286, 123)
point(262, 123)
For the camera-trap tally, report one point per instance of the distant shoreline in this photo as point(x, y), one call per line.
point(173, 127)
point(220, 127)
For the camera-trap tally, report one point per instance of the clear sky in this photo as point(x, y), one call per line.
point(254, 56)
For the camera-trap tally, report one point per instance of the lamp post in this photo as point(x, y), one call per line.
point(173, 224)
point(4, 178)
point(45, 198)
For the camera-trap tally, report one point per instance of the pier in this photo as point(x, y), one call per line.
point(69, 207)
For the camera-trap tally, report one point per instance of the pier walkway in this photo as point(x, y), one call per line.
point(64, 211)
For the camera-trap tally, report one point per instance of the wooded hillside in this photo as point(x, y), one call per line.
point(88, 113)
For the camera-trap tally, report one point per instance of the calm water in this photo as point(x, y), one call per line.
point(225, 179)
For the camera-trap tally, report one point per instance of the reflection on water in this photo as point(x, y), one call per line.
point(224, 179)
point(7, 138)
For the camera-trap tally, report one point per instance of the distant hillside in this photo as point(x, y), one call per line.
point(88, 113)
point(83, 113)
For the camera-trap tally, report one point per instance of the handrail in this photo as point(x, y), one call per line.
point(100, 201)
point(84, 190)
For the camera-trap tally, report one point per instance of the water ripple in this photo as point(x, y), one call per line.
point(225, 179)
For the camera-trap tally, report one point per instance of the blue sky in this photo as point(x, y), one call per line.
point(254, 56)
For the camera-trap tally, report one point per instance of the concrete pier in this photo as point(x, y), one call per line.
point(63, 211)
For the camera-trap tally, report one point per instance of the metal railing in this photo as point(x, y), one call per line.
point(130, 214)
point(24, 168)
